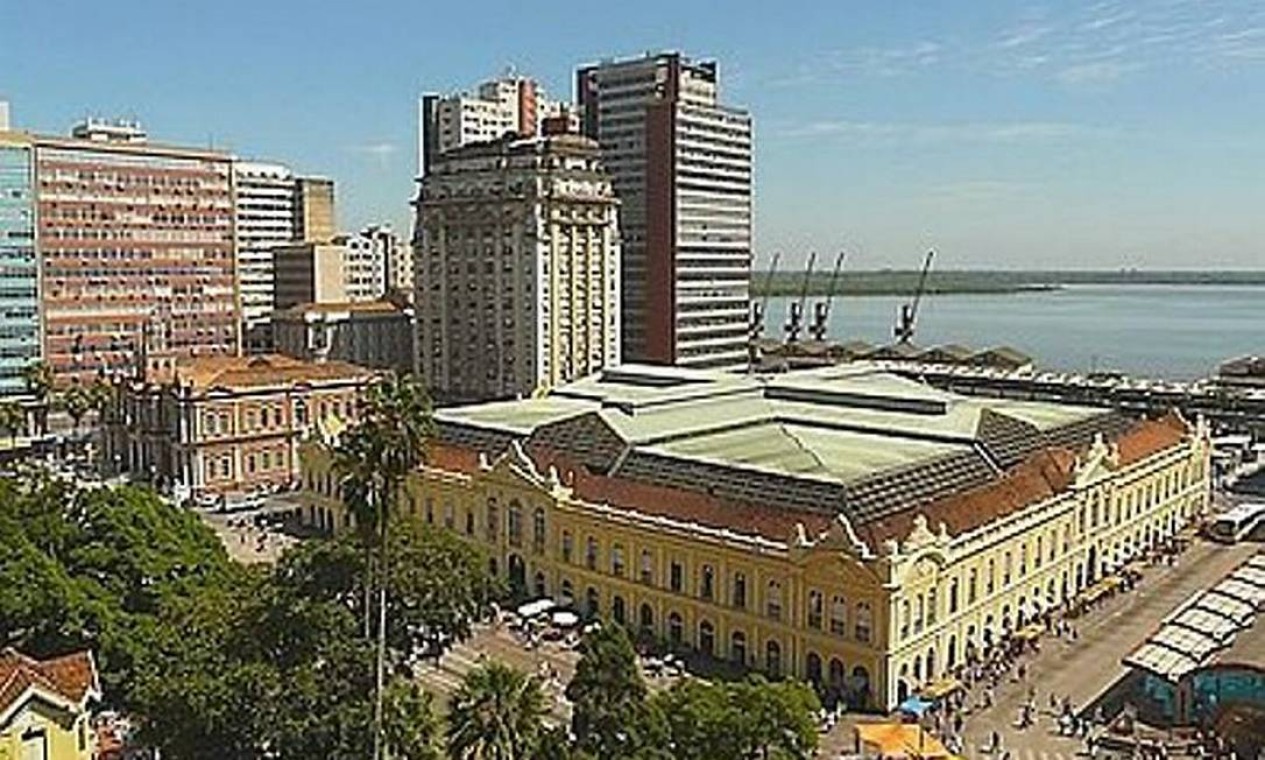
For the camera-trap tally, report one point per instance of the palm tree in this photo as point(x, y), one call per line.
point(38, 377)
point(12, 420)
point(373, 460)
point(496, 714)
point(76, 400)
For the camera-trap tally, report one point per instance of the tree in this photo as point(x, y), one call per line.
point(12, 420)
point(412, 728)
point(611, 717)
point(38, 377)
point(740, 721)
point(496, 714)
point(373, 460)
point(76, 400)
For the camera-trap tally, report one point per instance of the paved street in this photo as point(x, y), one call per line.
point(1084, 669)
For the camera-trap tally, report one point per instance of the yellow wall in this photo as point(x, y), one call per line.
point(1156, 495)
point(68, 736)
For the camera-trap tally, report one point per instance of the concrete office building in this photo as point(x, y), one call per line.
point(681, 166)
point(344, 269)
point(375, 334)
point(517, 253)
point(509, 105)
point(314, 207)
point(19, 267)
point(266, 202)
point(136, 245)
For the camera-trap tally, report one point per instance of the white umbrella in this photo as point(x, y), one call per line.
point(565, 619)
point(532, 609)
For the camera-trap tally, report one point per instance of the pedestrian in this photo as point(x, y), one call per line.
point(996, 741)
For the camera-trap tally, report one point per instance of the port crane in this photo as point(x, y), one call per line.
point(908, 315)
point(761, 307)
point(795, 322)
point(821, 309)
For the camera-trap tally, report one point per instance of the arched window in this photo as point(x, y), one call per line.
point(972, 586)
point(815, 611)
point(515, 524)
point(590, 553)
point(738, 648)
point(953, 596)
point(647, 619)
point(676, 629)
point(707, 583)
point(568, 592)
point(493, 518)
point(812, 669)
point(591, 602)
point(617, 560)
point(706, 638)
point(838, 616)
point(538, 530)
point(773, 600)
point(540, 585)
point(740, 591)
point(617, 609)
point(863, 621)
point(773, 658)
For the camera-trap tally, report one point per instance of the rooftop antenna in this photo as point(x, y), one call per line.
point(908, 315)
point(795, 323)
point(821, 309)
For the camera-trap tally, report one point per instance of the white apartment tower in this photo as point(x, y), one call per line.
point(517, 250)
point(509, 105)
point(681, 166)
point(265, 203)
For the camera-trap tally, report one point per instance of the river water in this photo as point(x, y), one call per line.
point(1168, 331)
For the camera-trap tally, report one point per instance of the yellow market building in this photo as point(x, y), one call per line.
point(843, 525)
point(44, 706)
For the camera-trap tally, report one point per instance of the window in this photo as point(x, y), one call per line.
point(568, 546)
point(773, 600)
point(617, 560)
point(815, 609)
point(863, 619)
point(676, 575)
point(931, 607)
point(430, 510)
point(493, 519)
point(647, 567)
point(953, 596)
point(538, 530)
point(250, 463)
point(1007, 566)
point(469, 522)
point(905, 615)
point(707, 583)
point(990, 583)
point(740, 591)
point(450, 515)
point(1023, 560)
point(838, 616)
point(515, 531)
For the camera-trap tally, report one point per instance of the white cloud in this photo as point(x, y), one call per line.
point(1096, 74)
point(921, 133)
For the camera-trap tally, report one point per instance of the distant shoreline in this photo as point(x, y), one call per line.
point(903, 282)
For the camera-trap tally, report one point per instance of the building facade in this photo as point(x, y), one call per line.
point(511, 105)
point(136, 247)
point(44, 706)
point(842, 526)
point(315, 220)
point(265, 203)
point(517, 252)
point(343, 270)
point(681, 166)
point(227, 424)
point(20, 339)
point(373, 334)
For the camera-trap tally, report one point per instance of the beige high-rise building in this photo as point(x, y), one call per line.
point(517, 251)
point(314, 201)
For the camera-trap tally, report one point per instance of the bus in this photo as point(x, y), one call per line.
point(1237, 523)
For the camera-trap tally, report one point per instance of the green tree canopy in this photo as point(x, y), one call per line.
point(496, 714)
point(611, 716)
point(749, 720)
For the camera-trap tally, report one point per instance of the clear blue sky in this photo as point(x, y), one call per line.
point(1105, 134)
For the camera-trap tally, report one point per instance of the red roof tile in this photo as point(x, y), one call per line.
point(73, 676)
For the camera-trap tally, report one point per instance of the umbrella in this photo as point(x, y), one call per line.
point(915, 706)
point(532, 609)
point(565, 619)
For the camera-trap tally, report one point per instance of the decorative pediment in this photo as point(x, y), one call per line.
point(515, 464)
point(1099, 462)
point(839, 537)
point(920, 535)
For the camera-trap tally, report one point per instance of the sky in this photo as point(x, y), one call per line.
point(1013, 135)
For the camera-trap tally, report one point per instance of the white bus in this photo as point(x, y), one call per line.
point(1237, 523)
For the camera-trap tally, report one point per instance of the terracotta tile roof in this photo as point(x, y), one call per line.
point(1151, 436)
point(203, 373)
point(773, 523)
point(1037, 478)
point(73, 676)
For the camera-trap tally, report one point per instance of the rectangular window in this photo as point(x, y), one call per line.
point(675, 575)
